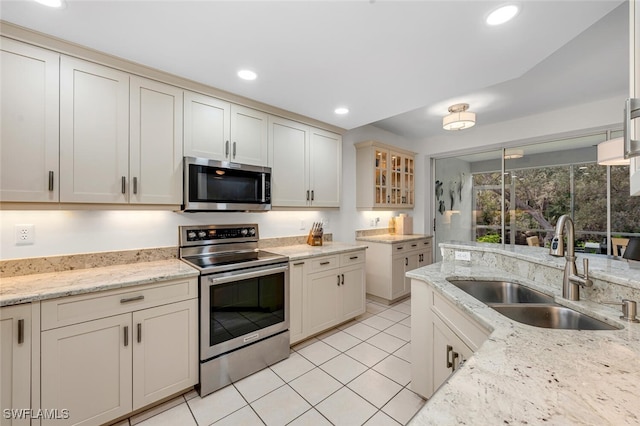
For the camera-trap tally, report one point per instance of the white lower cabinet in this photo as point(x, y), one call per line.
point(325, 291)
point(15, 363)
point(442, 338)
point(142, 347)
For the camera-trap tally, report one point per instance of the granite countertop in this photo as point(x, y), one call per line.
point(305, 251)
point(529, 375)
point(392, 238)
point(31, 288)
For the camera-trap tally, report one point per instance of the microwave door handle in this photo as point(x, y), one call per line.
point(264, 187)
point(245, 276)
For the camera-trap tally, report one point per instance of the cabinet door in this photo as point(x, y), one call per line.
point(94, 133)
point(207, 123)
point(249, 130)
point(297, 275)
point(15, 361)
point(398, 264)
point(29, 123)
point(155, 173)
point(352, 297)
point(411, 263)
point(288, 159)
point(449, 352)
point(321, 310)
point(86, 369)
point(165, 351)
point(634, 72)
point(325, 168)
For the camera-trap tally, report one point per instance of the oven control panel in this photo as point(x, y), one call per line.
point(215, 233)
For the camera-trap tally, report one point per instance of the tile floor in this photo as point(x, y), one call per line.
point(356, 374)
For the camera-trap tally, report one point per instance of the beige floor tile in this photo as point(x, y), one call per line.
point(179, 415)
point(367, 354)
point(280, 406)
point(310, 418)
point(139, 418)
point(395, 368)
point(258, 384)
point(400, 331)
point(374, 387)
point(403, 406)
point(344, 368)
point(347, 324)
point(346, 408)
point(294, 366)
point(191, 394)
point(381, 419)
point(386, 342)
point(403, 308)
point(378, 322)
point(319, 352)
point(375, 308)
point(342, 341)
point(406, 321)
point(361, 331)
point(328, 333)
point(404, 352)
point(243, 417)
point(364, 316)
point(393, 315)
point(315, 385)
point(217, 405)
point(304, 344)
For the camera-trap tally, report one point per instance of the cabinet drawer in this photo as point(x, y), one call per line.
point(352, 258)
point(75, 309)
point(323, 263)
point(468, 330)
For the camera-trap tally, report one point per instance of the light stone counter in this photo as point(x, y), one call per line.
point(391, 238)
point(30, 288)
point(530, 375)
point(305, 251)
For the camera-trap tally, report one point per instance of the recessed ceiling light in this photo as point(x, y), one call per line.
point(247, 75)
point(502, 14)
point(341, 110)
point(59, 4)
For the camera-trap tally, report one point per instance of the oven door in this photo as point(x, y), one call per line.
point(240, 307)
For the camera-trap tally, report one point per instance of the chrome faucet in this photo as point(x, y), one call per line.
point(571, 281)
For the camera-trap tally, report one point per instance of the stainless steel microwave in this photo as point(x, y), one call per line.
point(211, 185)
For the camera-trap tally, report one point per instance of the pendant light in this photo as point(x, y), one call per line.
point(611, 153)
point(459, 118)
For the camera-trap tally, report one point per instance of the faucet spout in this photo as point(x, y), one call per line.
point(571, 281)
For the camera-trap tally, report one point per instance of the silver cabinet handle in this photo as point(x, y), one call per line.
point(20, 331)
point(139, 332)
point(124, 184)
point(631, 111)
point(126, 335)
point(226, 149)
point(234, 150)
point(135, 185)
point(132, 299)
point(50, 180)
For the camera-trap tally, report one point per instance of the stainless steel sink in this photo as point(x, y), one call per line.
point(501, 292)
point(551, 316)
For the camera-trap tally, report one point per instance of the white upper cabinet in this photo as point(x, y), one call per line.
point(29, 98)
point(155, 163)
point(306, 165)
point(94, 133)
point(207, 123)
point(634, 61)
point(222, 131)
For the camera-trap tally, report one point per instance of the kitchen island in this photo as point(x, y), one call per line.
point(529, 375)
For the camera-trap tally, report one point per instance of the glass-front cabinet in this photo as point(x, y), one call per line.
point(385, 176)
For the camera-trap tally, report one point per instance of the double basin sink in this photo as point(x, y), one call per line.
point(528, 306)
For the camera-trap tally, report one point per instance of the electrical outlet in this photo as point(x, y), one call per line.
point(462, 255)
point(325, 223)
point(372, 223)
point(25, 234)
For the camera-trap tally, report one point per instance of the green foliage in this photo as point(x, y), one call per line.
point(489, 238)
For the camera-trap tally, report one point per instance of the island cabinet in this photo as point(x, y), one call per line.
point(107, 354)
point(634, 72)
point(306, 165)
point(326, 291)
point(219, 130)
point(15, 362)
point(29, 113)
point(442, 339)
point(385, 176)
point(387, 264)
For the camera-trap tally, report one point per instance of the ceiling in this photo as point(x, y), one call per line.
point(395, 64)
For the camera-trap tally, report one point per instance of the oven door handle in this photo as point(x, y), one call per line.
point(268, 270)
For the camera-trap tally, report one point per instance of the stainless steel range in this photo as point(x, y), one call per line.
point(244, 302)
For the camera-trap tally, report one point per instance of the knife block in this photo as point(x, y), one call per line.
point(314, 239)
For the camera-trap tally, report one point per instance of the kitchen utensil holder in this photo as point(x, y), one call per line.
point(314, 238)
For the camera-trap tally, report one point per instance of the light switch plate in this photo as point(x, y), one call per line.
point(462, 255)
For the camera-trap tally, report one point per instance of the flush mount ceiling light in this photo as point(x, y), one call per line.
point(459, 118)
point(58, 4)
point(341, 110)
point(247, 75)
point(611, 153)
point(502, 14)
point(512, 154)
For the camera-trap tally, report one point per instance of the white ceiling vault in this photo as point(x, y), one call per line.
point(397, 64)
